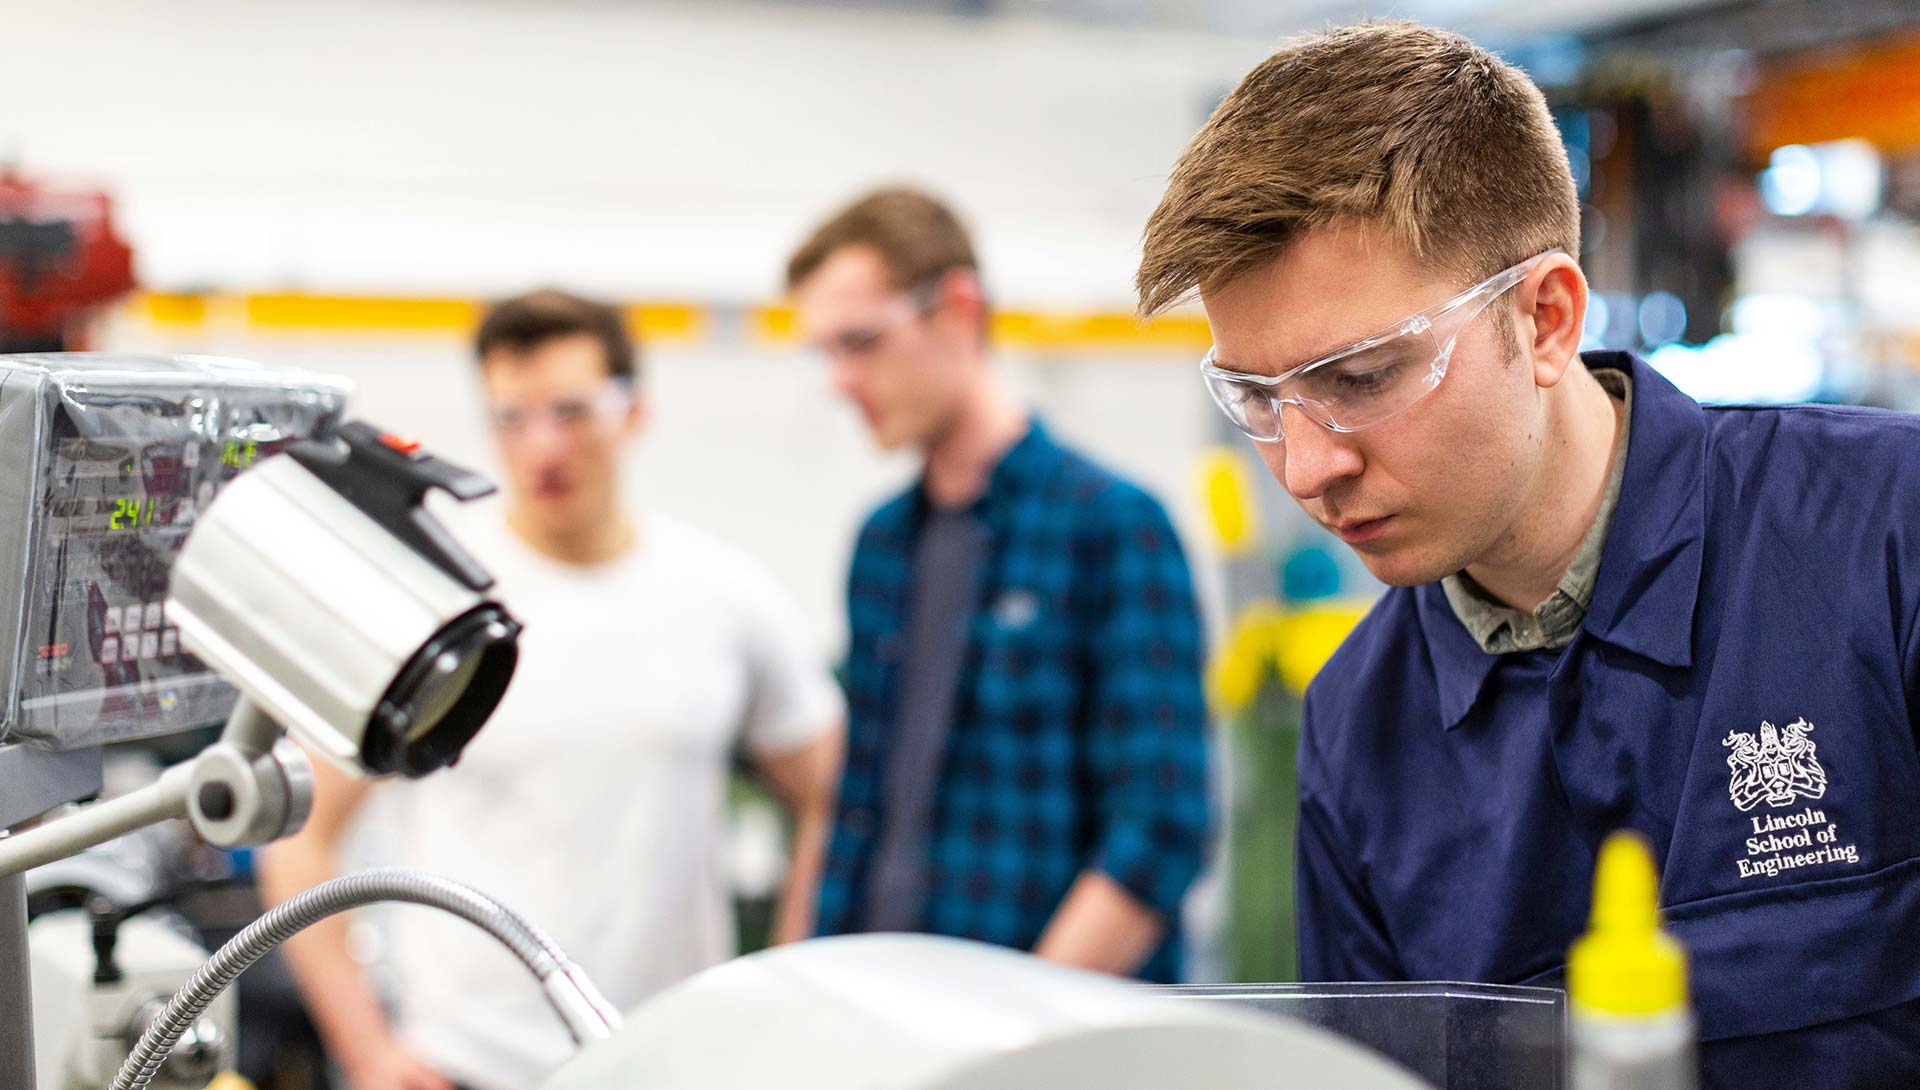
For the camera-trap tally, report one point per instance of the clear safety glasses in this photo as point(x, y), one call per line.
point(857, 343)
point(568, 415)
point(1368, 381)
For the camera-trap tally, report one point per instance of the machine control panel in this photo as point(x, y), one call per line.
point(104, 463)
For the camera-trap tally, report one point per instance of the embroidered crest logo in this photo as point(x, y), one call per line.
point(1777, 767)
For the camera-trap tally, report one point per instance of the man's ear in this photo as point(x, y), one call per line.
point(960, 295)
point(1552, 317)
point(638, 417)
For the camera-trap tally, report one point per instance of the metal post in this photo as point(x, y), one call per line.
point(32, 781)
point(16, 988)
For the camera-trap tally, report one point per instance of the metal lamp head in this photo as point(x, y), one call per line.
point(320, 586)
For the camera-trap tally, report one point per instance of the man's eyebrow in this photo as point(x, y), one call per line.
point(1223, 365)
point(1325, 351)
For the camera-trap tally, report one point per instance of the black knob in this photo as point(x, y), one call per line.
point(216, 801)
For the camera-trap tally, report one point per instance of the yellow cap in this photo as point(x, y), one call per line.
point(1625, 964)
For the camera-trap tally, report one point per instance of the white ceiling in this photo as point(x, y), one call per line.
point(1266, 18)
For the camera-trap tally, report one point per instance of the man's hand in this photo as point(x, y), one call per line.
point(1100, 926)
point(386, 1064)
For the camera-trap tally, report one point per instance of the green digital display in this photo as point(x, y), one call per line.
point(131, 514)
point(239, 455)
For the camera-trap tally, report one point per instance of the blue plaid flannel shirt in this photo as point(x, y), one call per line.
point(1079, 736)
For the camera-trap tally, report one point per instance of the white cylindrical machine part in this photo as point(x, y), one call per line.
point(81, 1027)
point(307, 604)
point(918, 1012)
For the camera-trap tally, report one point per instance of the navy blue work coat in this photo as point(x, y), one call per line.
point(1745, 690)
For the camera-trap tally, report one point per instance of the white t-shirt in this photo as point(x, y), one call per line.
point(593, 801)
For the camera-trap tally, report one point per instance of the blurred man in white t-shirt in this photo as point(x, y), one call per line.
point(593, 800)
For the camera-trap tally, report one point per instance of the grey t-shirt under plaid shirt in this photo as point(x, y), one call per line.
point(946, 580)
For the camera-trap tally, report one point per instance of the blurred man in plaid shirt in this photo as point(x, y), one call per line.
point(1027, 750)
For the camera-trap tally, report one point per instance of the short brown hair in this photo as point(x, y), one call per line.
point(918, 237)
point(526, 322)
point(1419, 132)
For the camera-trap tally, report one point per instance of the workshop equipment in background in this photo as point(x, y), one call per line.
point(61, 261)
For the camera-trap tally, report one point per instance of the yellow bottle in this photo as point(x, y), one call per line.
point(1631, 1024)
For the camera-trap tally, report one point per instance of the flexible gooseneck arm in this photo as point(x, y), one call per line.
point(581, 1007)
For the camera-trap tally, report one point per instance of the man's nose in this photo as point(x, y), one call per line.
point(543, 436)
point(1311, 458)
point(843, 374)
